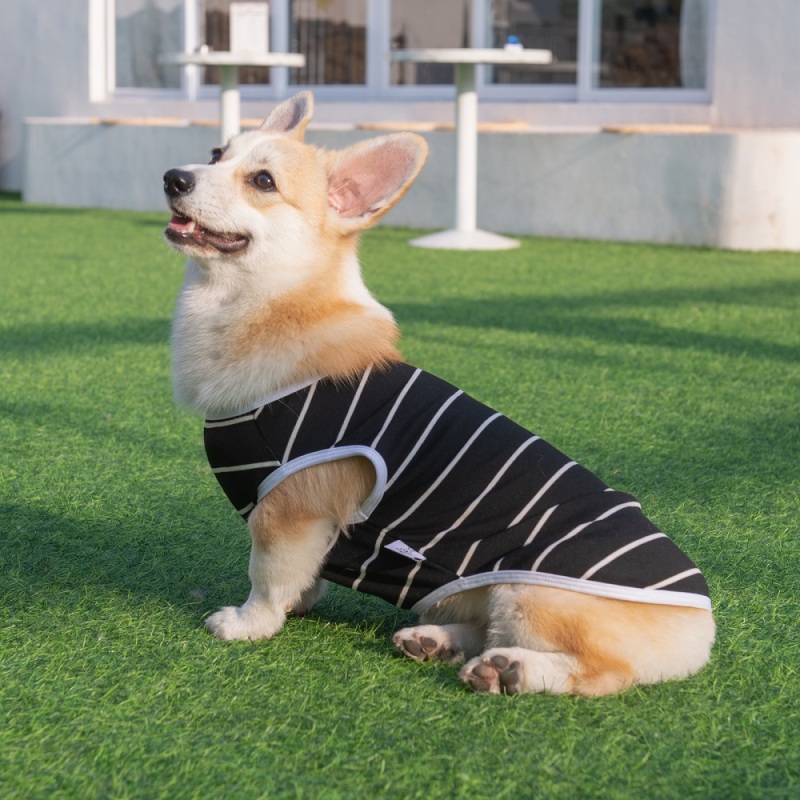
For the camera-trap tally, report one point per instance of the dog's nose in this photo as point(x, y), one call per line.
point(178, 182)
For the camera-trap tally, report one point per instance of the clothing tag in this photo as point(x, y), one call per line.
point(401, 548)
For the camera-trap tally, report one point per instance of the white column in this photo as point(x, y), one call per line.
point(466, 147)
point(191, 31)
point(279, 32)
point(101, 52)
point(229, 102)
point(589, 12)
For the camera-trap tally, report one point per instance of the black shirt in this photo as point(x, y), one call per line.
point(463, 497)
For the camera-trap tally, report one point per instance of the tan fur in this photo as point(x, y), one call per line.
point(338, 341)
point(333, 492)
point(291, 306)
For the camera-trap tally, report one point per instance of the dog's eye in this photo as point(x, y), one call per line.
point(216, 155)
point(263, 181)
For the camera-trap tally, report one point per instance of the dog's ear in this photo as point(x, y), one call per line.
point(367, 179)
point(291, 116)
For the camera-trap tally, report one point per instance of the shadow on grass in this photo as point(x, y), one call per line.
point(56, 571)
point(58, 563)
point(581, 316)
point(13, 205)
point(341, 605)
point(567, 317)
point(45, 338)
point(57, 557)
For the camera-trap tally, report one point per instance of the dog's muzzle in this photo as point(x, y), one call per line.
point(186, 232)
point(178, 182)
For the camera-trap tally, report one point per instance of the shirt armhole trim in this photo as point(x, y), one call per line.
point(326, 457)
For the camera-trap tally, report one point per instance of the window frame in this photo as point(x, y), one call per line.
point(378, 85)
point(589, 29)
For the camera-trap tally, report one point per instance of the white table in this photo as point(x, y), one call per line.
point(466, 235)
point(229, 63)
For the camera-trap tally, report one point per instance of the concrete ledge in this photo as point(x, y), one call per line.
point(729, 189)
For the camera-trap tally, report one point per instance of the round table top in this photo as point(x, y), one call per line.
point(220, 58)
point(473, 55)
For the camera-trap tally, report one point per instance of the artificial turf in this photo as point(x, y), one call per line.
point(674, 373)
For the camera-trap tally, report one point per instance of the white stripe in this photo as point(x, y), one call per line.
point(471, 507)
point(432, 488)
point(541, 491)
point(224, 423)
point(576, 531)
point(423, 437)
point(243, 467)
point(617, 553)
point(411, 576)
point(353, 405)
point(539, 525)
point(527, 443)
point(467, 557)
point(378, 543)
point(435, 485)
point(396, 405)
point(436, 539)
point(247, 509)
point(675, 578)
point(299, 423)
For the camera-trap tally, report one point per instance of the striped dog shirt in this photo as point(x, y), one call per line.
point(463, 496)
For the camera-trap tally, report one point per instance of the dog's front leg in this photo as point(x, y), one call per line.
point(309, 598)
point(285, 561)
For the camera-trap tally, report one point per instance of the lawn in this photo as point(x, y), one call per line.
point(674, 373)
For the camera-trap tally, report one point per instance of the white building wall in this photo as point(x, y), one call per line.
point(44, 70)
point(707, 189)
point(757, 64)
point(734, 189)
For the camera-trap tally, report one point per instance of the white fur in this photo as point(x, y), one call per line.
point(206, 376)
point(281, 579)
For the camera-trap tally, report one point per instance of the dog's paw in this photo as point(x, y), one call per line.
point(425, 643)
point(493, 674)
point(244, 623)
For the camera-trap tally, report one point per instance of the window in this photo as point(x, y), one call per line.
point(415, 25)
point(333, 37)
point(331, 34)
point(215, 28)
point(610, 50)
point(142, 30)
point(545, 24)
point(655, 44)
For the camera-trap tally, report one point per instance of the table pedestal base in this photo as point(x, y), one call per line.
point(465, 240)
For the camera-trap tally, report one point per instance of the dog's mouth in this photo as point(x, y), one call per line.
point(184, 231)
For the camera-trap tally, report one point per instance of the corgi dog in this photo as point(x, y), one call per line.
point(352, 466)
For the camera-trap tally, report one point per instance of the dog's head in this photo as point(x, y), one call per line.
point(266, 197)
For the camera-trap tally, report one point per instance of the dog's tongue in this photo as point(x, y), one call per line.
point(185, 230)
point(181, 224)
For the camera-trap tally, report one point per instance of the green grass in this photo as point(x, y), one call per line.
point(673, 373)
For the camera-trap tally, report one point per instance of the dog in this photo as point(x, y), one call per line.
point(352, 466)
